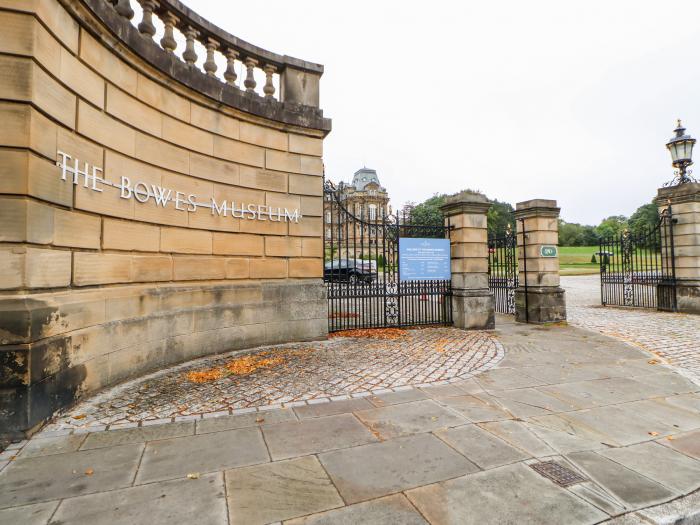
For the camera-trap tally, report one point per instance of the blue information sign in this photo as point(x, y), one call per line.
point(424, 259)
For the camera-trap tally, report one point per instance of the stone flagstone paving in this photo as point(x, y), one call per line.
point(315, 372)
point(673, 337)
point(454, 453)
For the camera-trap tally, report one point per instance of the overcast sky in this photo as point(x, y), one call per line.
point(567, 100)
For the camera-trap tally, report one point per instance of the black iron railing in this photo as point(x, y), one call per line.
point(503, 270)
point(361, 270)
point(637, 268)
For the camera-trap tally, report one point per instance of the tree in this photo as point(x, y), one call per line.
point(574, 234)
point(612, 226)
point(644, 219)
point(500, 215)
point(428, 212)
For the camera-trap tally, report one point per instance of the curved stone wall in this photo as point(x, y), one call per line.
point(148, 214)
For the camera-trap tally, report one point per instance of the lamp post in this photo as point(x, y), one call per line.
point(681, 149)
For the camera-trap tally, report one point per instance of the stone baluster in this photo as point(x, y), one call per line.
point(190, 55)
point(146, 26)
point(230, 73)
point(168, 41)
point(269, 88)
point(249, 82)
point(123, 7)
point(210, 64)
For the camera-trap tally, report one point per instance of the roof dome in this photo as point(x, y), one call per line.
point(363, 177)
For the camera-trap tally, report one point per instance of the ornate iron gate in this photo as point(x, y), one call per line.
point(638, 268)
point(503, 270)
point(361, 269)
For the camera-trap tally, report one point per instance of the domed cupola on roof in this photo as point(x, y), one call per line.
point(363, 177)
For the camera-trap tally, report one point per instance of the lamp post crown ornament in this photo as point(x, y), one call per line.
point(681, 148)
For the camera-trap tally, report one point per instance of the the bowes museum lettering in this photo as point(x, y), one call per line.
point(143, 192)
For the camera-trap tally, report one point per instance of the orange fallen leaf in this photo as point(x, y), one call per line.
point(670, 438)
point(653, 362)
point(89, 472)
point(259, 419)
point(653, 433)
point(373, 333)
point(240, 366)
point(80, 416)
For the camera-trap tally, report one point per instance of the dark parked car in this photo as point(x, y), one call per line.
point(352, 270)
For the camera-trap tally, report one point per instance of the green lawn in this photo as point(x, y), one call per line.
point(576, 260)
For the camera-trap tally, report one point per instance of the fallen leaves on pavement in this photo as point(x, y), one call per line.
point(372, 333)
point(89, 472)
point(240, 366)
point(441, 344)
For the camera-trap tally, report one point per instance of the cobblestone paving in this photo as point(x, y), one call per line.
point(673, 337)
point(317, 372)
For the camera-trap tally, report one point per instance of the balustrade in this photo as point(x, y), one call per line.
point(180, 24)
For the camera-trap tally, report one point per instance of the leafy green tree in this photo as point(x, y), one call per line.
point(428, 213)
point(644, 219)
point(500, 215)
point(574, 234)
point(612, 226)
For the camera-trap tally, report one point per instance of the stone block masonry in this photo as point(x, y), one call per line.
point(684, 200)
point(149, 212)
point(472, 301)
point(538, 298)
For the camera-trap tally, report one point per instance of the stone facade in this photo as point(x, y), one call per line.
point(366, 199)
point(95, 287)
point(538, 298)
point(685, 206)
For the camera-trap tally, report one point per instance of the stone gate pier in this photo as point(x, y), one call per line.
point(150, 212)
point(538, 298)
point(472, 301)
point(684, 200)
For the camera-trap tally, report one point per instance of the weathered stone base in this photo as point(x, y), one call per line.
point(545, 304)
point(688, 297)
point(56, 348)
point(473, 309)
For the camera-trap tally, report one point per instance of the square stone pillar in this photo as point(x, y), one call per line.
point(685, 207)
point(538, 298)
point(472, 301)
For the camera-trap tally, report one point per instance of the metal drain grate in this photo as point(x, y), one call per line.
point(559, 474)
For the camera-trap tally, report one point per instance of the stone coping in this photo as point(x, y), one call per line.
point(172, 66)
